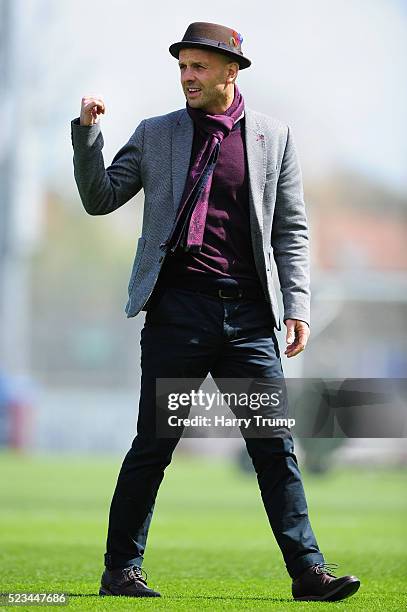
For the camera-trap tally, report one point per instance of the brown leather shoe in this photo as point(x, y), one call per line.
point(127, 581)
point(317, 584)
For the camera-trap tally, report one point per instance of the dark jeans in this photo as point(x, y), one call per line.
point(188, 335)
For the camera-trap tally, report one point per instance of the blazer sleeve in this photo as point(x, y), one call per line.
point(289, 237)
point(103, 190)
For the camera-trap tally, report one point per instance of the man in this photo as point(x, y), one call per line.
point(223, 202)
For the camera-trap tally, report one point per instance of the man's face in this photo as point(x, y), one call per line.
point(207, 79)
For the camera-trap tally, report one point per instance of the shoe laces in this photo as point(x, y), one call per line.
point(136, 573)
point(325, 568)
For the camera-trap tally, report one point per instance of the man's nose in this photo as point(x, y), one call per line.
point(188, 75)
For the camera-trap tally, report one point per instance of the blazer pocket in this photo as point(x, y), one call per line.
point(136, 264)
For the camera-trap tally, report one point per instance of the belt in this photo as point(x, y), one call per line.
point(228, 294)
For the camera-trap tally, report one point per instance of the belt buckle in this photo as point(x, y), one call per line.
point(230, 297)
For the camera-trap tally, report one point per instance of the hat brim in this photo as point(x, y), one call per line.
point(175, 48)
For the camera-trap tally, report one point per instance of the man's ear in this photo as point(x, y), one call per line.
point(233, 70)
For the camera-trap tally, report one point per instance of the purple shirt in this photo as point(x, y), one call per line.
point(226, 257)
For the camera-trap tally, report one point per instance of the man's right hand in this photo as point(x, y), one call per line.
point(91, 108)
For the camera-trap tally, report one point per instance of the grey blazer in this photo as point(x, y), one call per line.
point(156, 158)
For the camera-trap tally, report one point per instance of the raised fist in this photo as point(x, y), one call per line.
point(91, 108)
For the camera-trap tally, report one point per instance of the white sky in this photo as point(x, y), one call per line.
point(332, 70)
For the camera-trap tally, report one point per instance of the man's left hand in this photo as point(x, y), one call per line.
point(297, 336)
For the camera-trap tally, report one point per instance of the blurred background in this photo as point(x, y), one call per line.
point(69, 357)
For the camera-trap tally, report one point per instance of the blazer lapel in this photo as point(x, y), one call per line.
point(256, 160)
point(183, 133)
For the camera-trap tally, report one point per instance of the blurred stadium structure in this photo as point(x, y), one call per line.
point(63, 274)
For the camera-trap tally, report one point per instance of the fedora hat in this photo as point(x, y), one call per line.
point(215, 38)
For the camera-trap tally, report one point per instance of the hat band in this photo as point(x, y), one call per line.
point(212, 43)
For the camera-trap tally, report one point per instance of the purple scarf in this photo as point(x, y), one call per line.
point(189, 226)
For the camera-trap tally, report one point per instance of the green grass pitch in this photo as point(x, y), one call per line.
point(210, 546)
